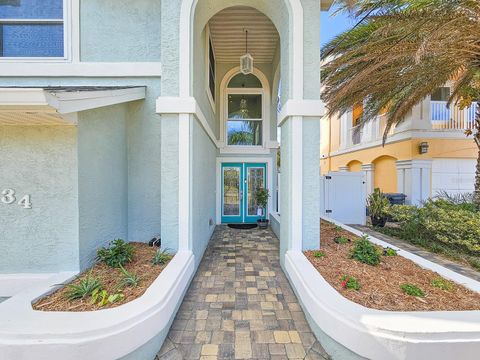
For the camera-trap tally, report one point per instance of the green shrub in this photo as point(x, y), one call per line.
point(85, 287)
point(349, 282)
point(412, 290)
point(117, 254)
point(463, 200)
point(365, 252)
point(439, 221)
point(441, 283)
point(161, 257)
point(102, 297)
point(128, 279)
point(389, 252)
point(378, 205)
point(342, 240)
point(318, 254)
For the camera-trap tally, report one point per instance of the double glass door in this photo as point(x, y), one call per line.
point(239, 183)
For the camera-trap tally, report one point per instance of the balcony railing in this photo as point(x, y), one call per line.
point(371, 131)
point(451, 118)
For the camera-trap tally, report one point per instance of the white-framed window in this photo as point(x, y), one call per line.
point(34, 30)
point(211, 69)
point(244, 111)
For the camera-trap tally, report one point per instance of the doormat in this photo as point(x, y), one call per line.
point(242, 226)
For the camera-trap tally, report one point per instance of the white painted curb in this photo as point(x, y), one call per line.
point(106, 334)
point(377, 334)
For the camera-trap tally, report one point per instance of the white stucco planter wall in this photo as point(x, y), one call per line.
point(376, 334)
point(107, 334)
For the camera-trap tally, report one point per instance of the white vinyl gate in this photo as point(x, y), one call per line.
point(343, 197)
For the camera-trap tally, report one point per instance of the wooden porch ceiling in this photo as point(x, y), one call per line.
point(228, 36)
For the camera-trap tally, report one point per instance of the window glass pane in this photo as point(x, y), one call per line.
point(441, 94)
point(245, 81)
point(244, 133)
point(231, 191)
point(31, 9)
point(211, 68)
point(244, 107)
point(255, 181)
point(31, 40)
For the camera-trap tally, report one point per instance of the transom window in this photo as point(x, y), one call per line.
point(244, 111)
point(32, 28)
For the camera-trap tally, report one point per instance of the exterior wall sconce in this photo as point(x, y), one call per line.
point(423, 148)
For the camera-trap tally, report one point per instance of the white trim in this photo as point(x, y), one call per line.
point(295, 40)
point(250, 160)
point(82, 69)
point(114, 333)
point(21, 99)
point(266, 105)
point(208, 40)
point(404, 135)
point(189, 105)
point(305, 108)
point(66, 104)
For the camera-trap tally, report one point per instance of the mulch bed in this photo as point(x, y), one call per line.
point(380, 285)
point(109, 278)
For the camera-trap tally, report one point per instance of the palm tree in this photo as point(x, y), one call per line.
point(401, 51)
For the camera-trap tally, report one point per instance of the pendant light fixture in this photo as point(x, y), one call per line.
point(246, 61)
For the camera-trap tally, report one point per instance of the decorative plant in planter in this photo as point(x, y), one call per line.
point(261, 197)
point(378, 206)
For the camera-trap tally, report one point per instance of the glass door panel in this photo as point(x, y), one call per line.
point(232, 192)
point(239, 179)
point(255, 179)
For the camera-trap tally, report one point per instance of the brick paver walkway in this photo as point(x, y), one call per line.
point(240, 305)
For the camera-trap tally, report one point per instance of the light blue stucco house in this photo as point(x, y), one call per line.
point(132, 119)
point(121, 120)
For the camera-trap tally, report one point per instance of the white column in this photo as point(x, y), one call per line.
point(345, 125)
point(368, 169)
point(414, 180)
point(184, 183)
point(344, 169)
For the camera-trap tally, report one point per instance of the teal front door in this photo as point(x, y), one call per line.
point(239, 183)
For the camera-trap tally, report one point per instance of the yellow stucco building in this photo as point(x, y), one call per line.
point(427, 153)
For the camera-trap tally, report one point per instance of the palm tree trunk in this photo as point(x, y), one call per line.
point(476, 193)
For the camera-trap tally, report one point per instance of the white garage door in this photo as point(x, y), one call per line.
point(453, 175)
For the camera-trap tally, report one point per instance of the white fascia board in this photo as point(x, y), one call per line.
point(17, 98)
point(305, 108)
point(81, 69)
point(65, 104)
point(69, 102)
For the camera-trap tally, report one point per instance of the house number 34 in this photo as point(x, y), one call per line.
point(9, 197)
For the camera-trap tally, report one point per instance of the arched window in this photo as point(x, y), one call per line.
point(244, 111)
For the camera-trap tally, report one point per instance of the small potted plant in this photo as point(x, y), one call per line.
point(261, 197)
point(378, 206)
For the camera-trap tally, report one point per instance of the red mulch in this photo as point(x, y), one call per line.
point(380, 285)
point(109, 278)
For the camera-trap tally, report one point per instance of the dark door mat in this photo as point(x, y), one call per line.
point(242, 226)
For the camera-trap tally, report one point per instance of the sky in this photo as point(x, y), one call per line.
point(330, 26)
